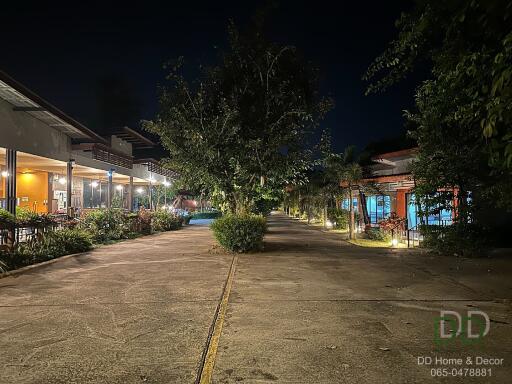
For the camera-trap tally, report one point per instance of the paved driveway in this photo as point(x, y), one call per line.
point(309, 309)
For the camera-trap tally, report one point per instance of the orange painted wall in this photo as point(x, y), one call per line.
point(33, 186)
point(400, 203)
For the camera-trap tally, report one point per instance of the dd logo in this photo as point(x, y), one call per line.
point(450, 325)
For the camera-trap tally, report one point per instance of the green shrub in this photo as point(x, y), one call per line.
point(377, 234)
point(7, 220)
point(73, 240)
point(240, 233)
point(46, 247)
point(456, 239)
point(106, 225)
point(338, 217)
point(165, 221)
point(28, 218)
point(206, 215)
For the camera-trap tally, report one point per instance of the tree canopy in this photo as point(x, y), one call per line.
point(468, 45)
point(240, 131)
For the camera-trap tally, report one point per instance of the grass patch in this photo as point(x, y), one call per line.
point(374, 243)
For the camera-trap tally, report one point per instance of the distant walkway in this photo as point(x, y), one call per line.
point(311, 308)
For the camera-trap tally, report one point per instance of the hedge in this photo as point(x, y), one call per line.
point(240, 233)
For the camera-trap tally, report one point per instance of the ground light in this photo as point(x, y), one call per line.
point(394, 242)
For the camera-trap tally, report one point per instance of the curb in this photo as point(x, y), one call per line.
point(32, 267)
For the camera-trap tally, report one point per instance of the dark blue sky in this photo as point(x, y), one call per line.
point(63, 51)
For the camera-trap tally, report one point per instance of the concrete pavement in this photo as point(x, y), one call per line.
point(309, 309)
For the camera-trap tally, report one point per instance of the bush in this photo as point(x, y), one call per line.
point(28, 218)
point(140, 222)
point(240, 233)
point(166, 221)
point(338, 217)
point(206, 215)
point(49, 246)
point(377, 234)
point(456, 239)
point(7, 220)
point(106, 225)
point(73, 240)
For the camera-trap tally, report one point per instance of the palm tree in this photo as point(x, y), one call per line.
point(351, 175)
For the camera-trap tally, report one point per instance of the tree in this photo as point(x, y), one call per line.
point(468, 45)
point(463, 117)
point(240, 131)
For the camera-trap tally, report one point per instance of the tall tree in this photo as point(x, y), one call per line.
point(241, 129)
point(468, 45)
point(463, 116)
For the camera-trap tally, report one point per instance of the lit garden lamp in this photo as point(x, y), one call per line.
point(5, 174)
point(394, 242)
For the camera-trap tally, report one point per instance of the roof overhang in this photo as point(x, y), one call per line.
point(155, 166)
point(383, 157)
point(24, 100)
point(134, 138)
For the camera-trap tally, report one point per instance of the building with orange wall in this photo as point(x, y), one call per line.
point(387, 187)
point(51, 163)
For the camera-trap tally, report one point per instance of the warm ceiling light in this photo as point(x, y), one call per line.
point(94, 184)
point(5, 173)
point(119, 187)
point(166, 183)
point(140, 190)
point(62, 180)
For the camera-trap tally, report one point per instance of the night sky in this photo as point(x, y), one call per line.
point(76, 56)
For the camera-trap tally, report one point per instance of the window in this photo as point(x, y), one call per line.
point(344, 204)
point(378, 207)
point(443, 217)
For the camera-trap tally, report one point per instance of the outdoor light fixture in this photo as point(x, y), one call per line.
point(166, 183)
point(94, 184)
point(119, 187)
point(394, 242)
point(62, 180)
point(151, 179)
point(140, 190)
point(5, 173)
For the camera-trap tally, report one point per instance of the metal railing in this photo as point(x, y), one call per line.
point(23, 234)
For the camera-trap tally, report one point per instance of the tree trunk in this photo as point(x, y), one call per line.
point(325, 216)
point(351, 219)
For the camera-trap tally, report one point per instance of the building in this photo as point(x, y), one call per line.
point(51, 163)
point(387, 187)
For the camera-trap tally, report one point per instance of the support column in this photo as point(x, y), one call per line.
point(150, 196)
point(10, 184)
point(130, 195)
point(109, 188)
point(69, 187)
